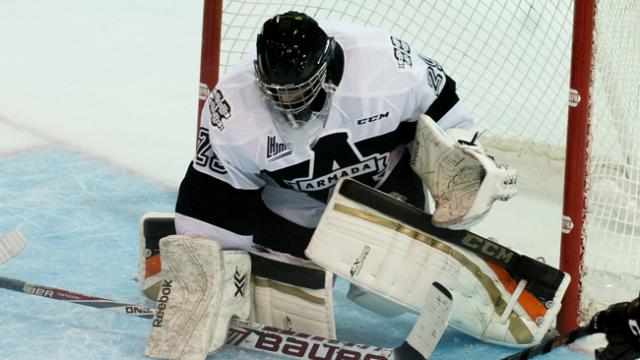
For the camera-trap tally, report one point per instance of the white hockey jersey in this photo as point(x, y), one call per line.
point(241, 157)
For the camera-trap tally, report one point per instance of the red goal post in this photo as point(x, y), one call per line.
point(210, 52)
point(574, 208)
point(516, 63)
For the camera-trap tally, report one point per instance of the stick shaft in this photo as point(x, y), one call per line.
point(551, 344)
point(244, 334)
point(76, 298)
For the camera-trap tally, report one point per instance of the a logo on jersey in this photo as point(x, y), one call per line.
point(334, 158)
point(435, 74)
point(205, 156)
point(219, 109)
point(373, 118)
point(402, 52)
point(276, 150)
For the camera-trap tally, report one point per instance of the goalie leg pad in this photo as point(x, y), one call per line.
point(290, 295)
point(286, 291)
point(385, 256)
point(187, 302)
point(236, 295)
point(203, 288)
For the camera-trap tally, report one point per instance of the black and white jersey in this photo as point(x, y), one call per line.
point(241, 156)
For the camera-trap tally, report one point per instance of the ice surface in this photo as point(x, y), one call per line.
point(80, 217)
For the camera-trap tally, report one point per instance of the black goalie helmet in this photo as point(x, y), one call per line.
point(293, 53)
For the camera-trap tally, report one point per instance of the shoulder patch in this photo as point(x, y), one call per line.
point(219, 109)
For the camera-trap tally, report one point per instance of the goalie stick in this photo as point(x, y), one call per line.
point(419, 344)
point(553, 343)
point(252, 336)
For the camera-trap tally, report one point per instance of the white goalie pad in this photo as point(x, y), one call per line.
point(286, 291)
point(188, 298)
point(291, 293)
point(383, 255)
point(201, 289)
point(236, 295)
point(463, 181)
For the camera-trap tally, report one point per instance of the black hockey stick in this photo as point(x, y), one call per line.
point(553, 343)
point(253, 336)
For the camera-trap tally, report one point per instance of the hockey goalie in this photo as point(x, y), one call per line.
point(314, 104)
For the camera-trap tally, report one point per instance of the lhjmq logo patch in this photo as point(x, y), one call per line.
point(276, 150)
point(220, 110)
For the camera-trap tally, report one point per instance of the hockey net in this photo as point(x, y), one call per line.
point(611, 229)
point(512, 63)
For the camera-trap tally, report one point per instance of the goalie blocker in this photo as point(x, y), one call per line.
point(499, 296)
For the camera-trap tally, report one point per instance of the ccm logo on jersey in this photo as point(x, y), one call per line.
point(373, 118)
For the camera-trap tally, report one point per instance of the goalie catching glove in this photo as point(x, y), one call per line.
point(463, 180)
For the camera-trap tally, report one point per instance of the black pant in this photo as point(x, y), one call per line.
point(280, 234)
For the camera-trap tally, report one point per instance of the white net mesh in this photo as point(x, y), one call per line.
point(511, 61)
point(509, 58)
point(611, 269)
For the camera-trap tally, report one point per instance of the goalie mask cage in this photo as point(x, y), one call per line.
point(515, 63)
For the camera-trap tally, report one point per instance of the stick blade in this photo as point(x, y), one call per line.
point(10, 245)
